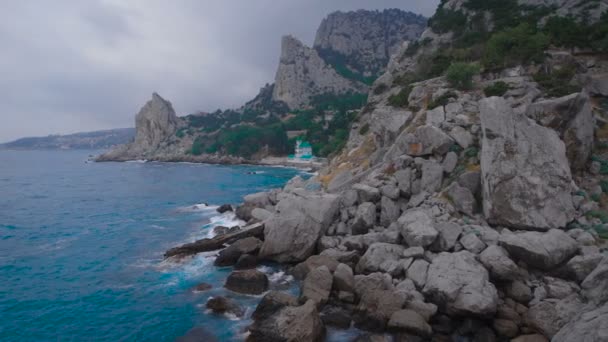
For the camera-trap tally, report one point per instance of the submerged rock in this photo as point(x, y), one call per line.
point(247, 282)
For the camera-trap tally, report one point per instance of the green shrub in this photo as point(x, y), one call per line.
point(513, 46)
point(471, 152)
point(595, 197)
point(603, 165)
point(446, 20)
point(197, 147)
point(364, 129)
point(442, 100)
point(401, 99)
point(496, 89)
point(557, 83)
point(460, 75)
point(604, 185)
point(180, 133)
point(599, 214)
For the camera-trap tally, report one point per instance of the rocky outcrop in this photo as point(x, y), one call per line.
point(289, 323)
point(155, 123)
point(302, 74)
point(292, 233)
point(526, 177)
point(367, 38)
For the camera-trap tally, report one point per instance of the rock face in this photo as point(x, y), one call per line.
point(154, 124)
point(292, 233)
point(367, 38)
point(302, 73)
point(541, 250)
point(289, 323)
point(572, 118)
point(526, 177)
point(460, 284)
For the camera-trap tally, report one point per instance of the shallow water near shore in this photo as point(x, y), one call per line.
point(81, 246)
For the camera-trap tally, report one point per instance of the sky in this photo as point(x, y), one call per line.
point(70, 65)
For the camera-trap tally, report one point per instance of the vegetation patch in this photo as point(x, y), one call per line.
point(599, 214)
point(401, 99)
point(442, 100)
point(460, 75)
point(514, 46)
point(496, 89)
point(557, 82)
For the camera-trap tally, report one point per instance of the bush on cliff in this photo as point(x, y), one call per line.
point(514, 46)
point(460, 75)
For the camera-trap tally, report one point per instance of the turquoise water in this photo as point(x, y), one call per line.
point(81, 246)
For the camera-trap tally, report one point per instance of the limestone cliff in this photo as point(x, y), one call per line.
point(367, 39)
point(302, 74)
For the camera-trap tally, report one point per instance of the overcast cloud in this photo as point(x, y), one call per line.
point(73, 65)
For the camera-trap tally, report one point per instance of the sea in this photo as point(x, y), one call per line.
point(82, 243)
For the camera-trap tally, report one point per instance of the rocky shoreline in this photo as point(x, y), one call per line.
point(407, 254)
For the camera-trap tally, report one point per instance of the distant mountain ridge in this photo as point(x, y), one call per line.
point(84, 140)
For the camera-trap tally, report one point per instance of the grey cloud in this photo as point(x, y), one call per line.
point(72, 65)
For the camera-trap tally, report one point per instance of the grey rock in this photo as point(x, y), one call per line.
point(260, 214)
point(317, 286)
point(413, 252)
point(365, 218)
point(550, 315)
point(372, 282)
point(541, 250)
point(519, 291)
point(301, 270)
point(470, 180)
point(290, 323)
point(391, 191)
point(580, 266)
point(449, 162)
point(497, 261)
point(462, 137)
point(571, 116)
point(410, 321)
point(247, 282)
point(462, 198)
point(435, 117)
point(432, 177)
point(389, 211)
point(232, 253)
point(460, 284)
point(472, 243)
point(417, 272)
point(302, 73)
point(595, 285)
point(591, 324)
point(291, 235)
point(367, 193)
point(417, 228)
point(344, 279)
point(448, 236)
point(377, 307)
point(379, 257)
point(223, 305)
point(526, 176)
point(426, 310)
point(424, 141)
point(404, 179)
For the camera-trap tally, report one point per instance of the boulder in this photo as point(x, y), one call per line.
point(550, 315)
point(470, 180)
point(336, 317)
point(597, 84)
point(530, 338)
point(344, 279)
point(389, 211)
point(380, 257)
point(449, 162)
point(462, 198)
point(246, 262)
point(591, 324)
point(224, 208)
point(497, 261)
point(462, 137)
point(367, 193)
point(460, 285)
point(391, 191)
point(272, 302)
point(372, 282)
point(448, 236)
point(417, 228)
point(247, 282)
point(223, 305)
point(260, 214)
point(410, 321)
point(317, 286)
point(595, 285)
point(472, 243)
point(292, 233)
point(544, 251)
point(424, 141)
point(289, 323)
point(526, 176)
point(301, 270)
point(581, 266)
point(377, 307)
point(404, 179)
point(432, 176)
point(520, 292)
point(572, 118)
point(230, 255)
point(365, 218)
point(435, 116)
point(417, 272)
